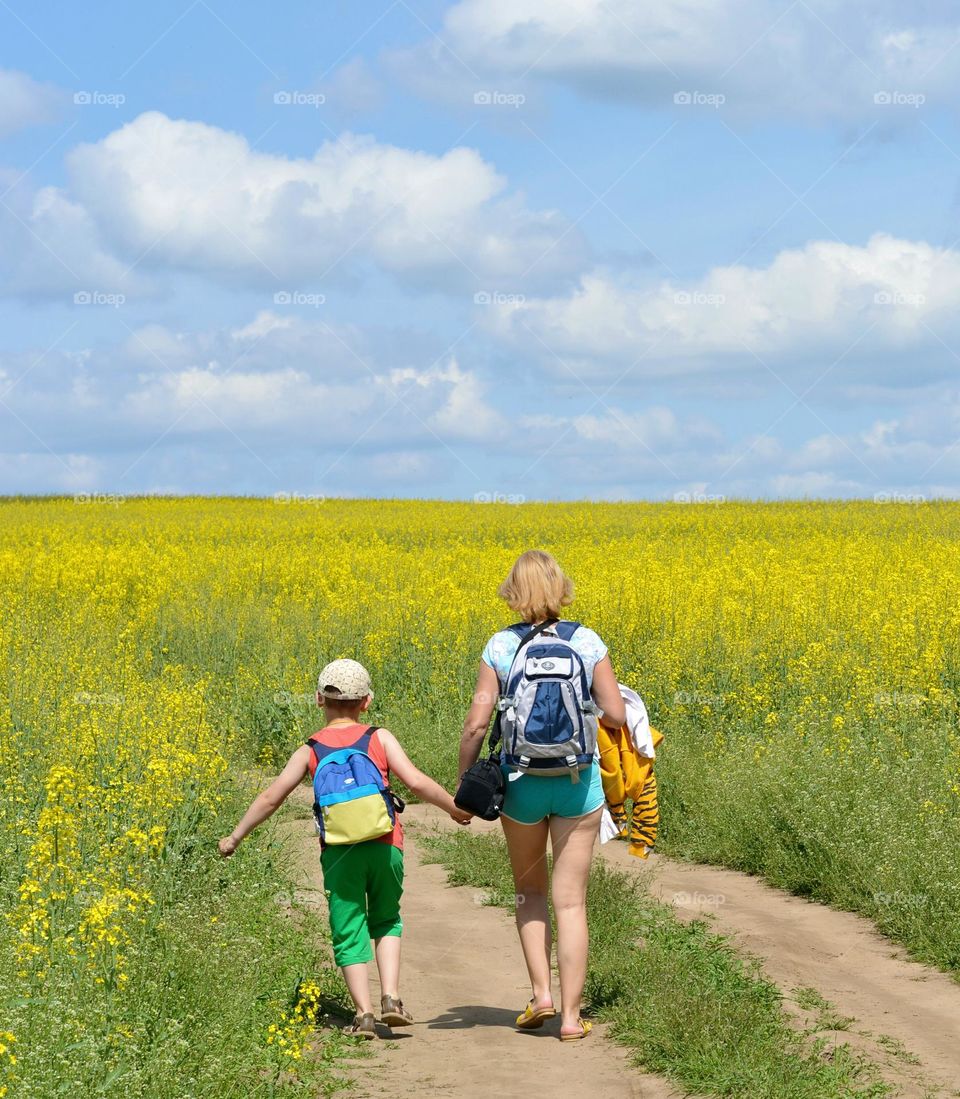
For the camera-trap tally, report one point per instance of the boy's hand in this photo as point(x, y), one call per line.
point(227, 846)
point(461, 817)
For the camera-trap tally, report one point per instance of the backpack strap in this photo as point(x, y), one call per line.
point(321, 750)
point(367, 738)
point(566, 630)
point(526, 635)
point(559, 624)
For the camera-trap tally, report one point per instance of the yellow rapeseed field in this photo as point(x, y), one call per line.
point(802, 660)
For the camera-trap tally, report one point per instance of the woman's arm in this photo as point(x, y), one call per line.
point(416, 781)
point(606, 694)
point(266, 804)
point(485, 696)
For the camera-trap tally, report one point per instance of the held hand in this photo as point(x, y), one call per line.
point(461, 817)
point(227, 846)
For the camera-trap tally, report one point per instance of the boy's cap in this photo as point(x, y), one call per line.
point(345, 679)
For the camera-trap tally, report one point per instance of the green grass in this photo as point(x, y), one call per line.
point(219, 960)
point(825, 1013)
point(859, 830)
point(678, 996)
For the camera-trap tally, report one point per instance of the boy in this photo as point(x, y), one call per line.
point(363, 881)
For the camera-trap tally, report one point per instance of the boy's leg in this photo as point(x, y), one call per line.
point(344, 882)
point(384, 890)
point(388, 964)
point(358, 985)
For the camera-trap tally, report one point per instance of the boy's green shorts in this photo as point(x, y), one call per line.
point(363, 883)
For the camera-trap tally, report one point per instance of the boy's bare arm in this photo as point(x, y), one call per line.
point(420, 784)
point(267, 803)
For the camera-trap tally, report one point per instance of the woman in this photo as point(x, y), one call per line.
point(538, 806)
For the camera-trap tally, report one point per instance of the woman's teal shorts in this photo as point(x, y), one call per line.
point(529, 799)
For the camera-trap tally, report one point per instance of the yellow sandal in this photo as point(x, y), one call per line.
point(533, 1017)
point(585, 1028)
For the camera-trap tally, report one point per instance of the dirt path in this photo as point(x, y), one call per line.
point(463, 977)
point(904, 1016)
point(866, 977)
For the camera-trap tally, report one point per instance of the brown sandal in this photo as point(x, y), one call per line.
point(393, 1013)
point(364, 1026)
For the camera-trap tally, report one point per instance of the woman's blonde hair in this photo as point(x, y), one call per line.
point(536, 587)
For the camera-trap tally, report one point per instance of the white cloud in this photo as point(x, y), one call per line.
point(208, 400)
point(262, 324)
point(192, 196)
point(42, 471)
point(814, 484)
point(399, 467)
point(810, 61)
point(463, 413)
point(25, 102)
point(279, 404)
point(353, 89)
point(815, 303)
point(654, 428)
point(271, 394)
point(51, 247)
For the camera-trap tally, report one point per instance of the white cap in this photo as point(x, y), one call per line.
point(346, 679)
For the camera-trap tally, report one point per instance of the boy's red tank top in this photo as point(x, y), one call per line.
point(342, 736)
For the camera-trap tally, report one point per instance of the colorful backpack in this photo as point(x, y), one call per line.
point(547, 718)
point(352, 803)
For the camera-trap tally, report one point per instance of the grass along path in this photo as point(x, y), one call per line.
point(903, 1014)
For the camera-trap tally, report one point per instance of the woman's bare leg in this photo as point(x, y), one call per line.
point(527, 844)
point(572, 839)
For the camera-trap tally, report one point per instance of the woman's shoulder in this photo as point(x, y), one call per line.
point(589, 641)
point(499, 644)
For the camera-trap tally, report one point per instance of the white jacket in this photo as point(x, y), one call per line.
point(638, 722)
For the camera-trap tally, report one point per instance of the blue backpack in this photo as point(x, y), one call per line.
point(547, 718)
point(351, 802)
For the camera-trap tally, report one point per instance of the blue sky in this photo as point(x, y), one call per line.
point(522, 249)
